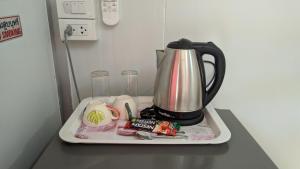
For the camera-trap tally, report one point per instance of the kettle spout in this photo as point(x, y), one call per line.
point(160, 54)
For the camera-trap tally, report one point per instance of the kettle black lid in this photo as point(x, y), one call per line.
point(181, 44)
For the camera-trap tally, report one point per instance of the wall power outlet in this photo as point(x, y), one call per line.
point(82, 29)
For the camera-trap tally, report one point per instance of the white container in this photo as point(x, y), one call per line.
point(213, 121)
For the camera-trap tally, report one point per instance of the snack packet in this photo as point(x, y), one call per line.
point(155, 126)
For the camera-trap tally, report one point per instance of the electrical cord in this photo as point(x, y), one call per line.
point(68, 32)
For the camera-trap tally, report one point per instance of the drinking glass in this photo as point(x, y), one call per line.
point(130, 82)
point(100, 83)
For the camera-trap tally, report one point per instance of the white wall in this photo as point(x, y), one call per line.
point(29, 114)
point(260, 40)
point(130, 45)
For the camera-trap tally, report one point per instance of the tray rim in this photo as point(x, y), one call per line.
point(67, 136)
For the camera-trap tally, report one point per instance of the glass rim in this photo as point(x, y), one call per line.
point(99, 73)
point(129, 72)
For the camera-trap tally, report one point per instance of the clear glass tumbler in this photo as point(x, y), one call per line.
point(100, 83)
point(130, 82)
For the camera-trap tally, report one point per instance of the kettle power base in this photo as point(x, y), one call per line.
point(183, 122)
point(212, 130)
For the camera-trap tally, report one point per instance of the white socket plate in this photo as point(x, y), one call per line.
point(87, 33)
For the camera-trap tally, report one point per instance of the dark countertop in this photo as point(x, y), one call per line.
point(241, 152)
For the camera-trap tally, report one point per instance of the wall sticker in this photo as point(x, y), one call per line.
point(10, 28)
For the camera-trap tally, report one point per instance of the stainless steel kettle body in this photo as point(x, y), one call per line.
point(180, 86)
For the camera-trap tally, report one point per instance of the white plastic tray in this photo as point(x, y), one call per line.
point(213, 121)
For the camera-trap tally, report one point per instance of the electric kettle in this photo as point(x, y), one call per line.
point(180, 92)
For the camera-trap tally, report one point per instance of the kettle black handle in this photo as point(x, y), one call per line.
point(220, 65)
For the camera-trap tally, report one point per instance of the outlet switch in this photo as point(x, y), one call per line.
point(76, 9)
